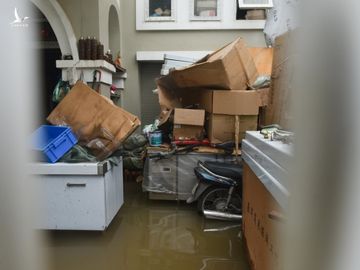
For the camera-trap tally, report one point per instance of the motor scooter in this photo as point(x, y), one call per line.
point(219, 190)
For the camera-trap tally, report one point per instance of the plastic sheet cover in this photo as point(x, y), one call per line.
point(281, 19)
point(175, 175)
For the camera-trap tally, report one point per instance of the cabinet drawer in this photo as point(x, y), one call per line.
point(72, 202)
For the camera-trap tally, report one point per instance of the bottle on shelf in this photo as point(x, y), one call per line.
point(88, 48)
point(81, 48)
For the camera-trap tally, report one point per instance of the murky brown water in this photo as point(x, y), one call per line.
point(148, 235)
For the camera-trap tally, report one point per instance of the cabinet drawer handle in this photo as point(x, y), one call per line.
point(75, 185)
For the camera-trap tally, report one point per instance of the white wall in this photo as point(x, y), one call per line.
point(198, 40)
point(91, 18)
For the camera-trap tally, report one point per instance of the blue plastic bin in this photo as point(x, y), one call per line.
point(53, 141)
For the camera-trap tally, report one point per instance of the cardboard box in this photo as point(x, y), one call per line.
point(263, 59)
point(279, 110)
point(260, 232)
point(235, 102)
point(231, 67)
point(255, 14)
point(99, 124)
point(221, 128)
point(188, 124)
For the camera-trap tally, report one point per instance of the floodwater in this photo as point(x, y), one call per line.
point(150, 235)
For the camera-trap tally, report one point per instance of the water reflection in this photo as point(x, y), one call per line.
point(151, 235)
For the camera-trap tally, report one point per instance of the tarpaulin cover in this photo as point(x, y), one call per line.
point(281, 18)
point(175, 174)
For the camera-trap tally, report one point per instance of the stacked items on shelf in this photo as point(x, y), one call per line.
point(97, 126)
point(205, 107)
point(92, 49)
point(211, 99)
point(175, 62)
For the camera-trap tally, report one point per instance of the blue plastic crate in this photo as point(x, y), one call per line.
point(53, 141)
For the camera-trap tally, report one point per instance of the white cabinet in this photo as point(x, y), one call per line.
point(82, 196)
point(269, 160)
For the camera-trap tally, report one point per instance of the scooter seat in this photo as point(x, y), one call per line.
point(233, 171)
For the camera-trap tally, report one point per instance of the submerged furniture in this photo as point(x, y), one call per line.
point(173, 178)
point(265, 196)
point(81, 196)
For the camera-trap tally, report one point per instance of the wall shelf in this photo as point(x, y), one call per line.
point(158, 56)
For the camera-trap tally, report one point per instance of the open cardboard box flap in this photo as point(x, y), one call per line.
point(100, 125)
point(167, 98)
point(231, 67)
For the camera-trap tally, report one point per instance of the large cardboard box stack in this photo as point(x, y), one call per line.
point(223, 106)
point(217, 84)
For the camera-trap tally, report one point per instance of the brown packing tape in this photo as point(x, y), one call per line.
point(263, 97)
point(221, 128)
point(237, 138)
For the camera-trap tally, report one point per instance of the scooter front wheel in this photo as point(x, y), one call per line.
point(215, 199)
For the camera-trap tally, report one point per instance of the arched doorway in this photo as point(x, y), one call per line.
point(47, 48)
point(60, 24)
point(114, 31)
point(54, 39)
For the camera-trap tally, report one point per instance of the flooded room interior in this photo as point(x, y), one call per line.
point(179, 134)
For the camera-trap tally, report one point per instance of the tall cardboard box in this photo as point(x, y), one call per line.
point(188, 124)
point(282, 84)
point(231, 67)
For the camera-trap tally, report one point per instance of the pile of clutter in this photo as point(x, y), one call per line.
point(215, 100)
point(88, 127)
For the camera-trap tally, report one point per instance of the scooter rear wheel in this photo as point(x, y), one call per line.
point(215, 198)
